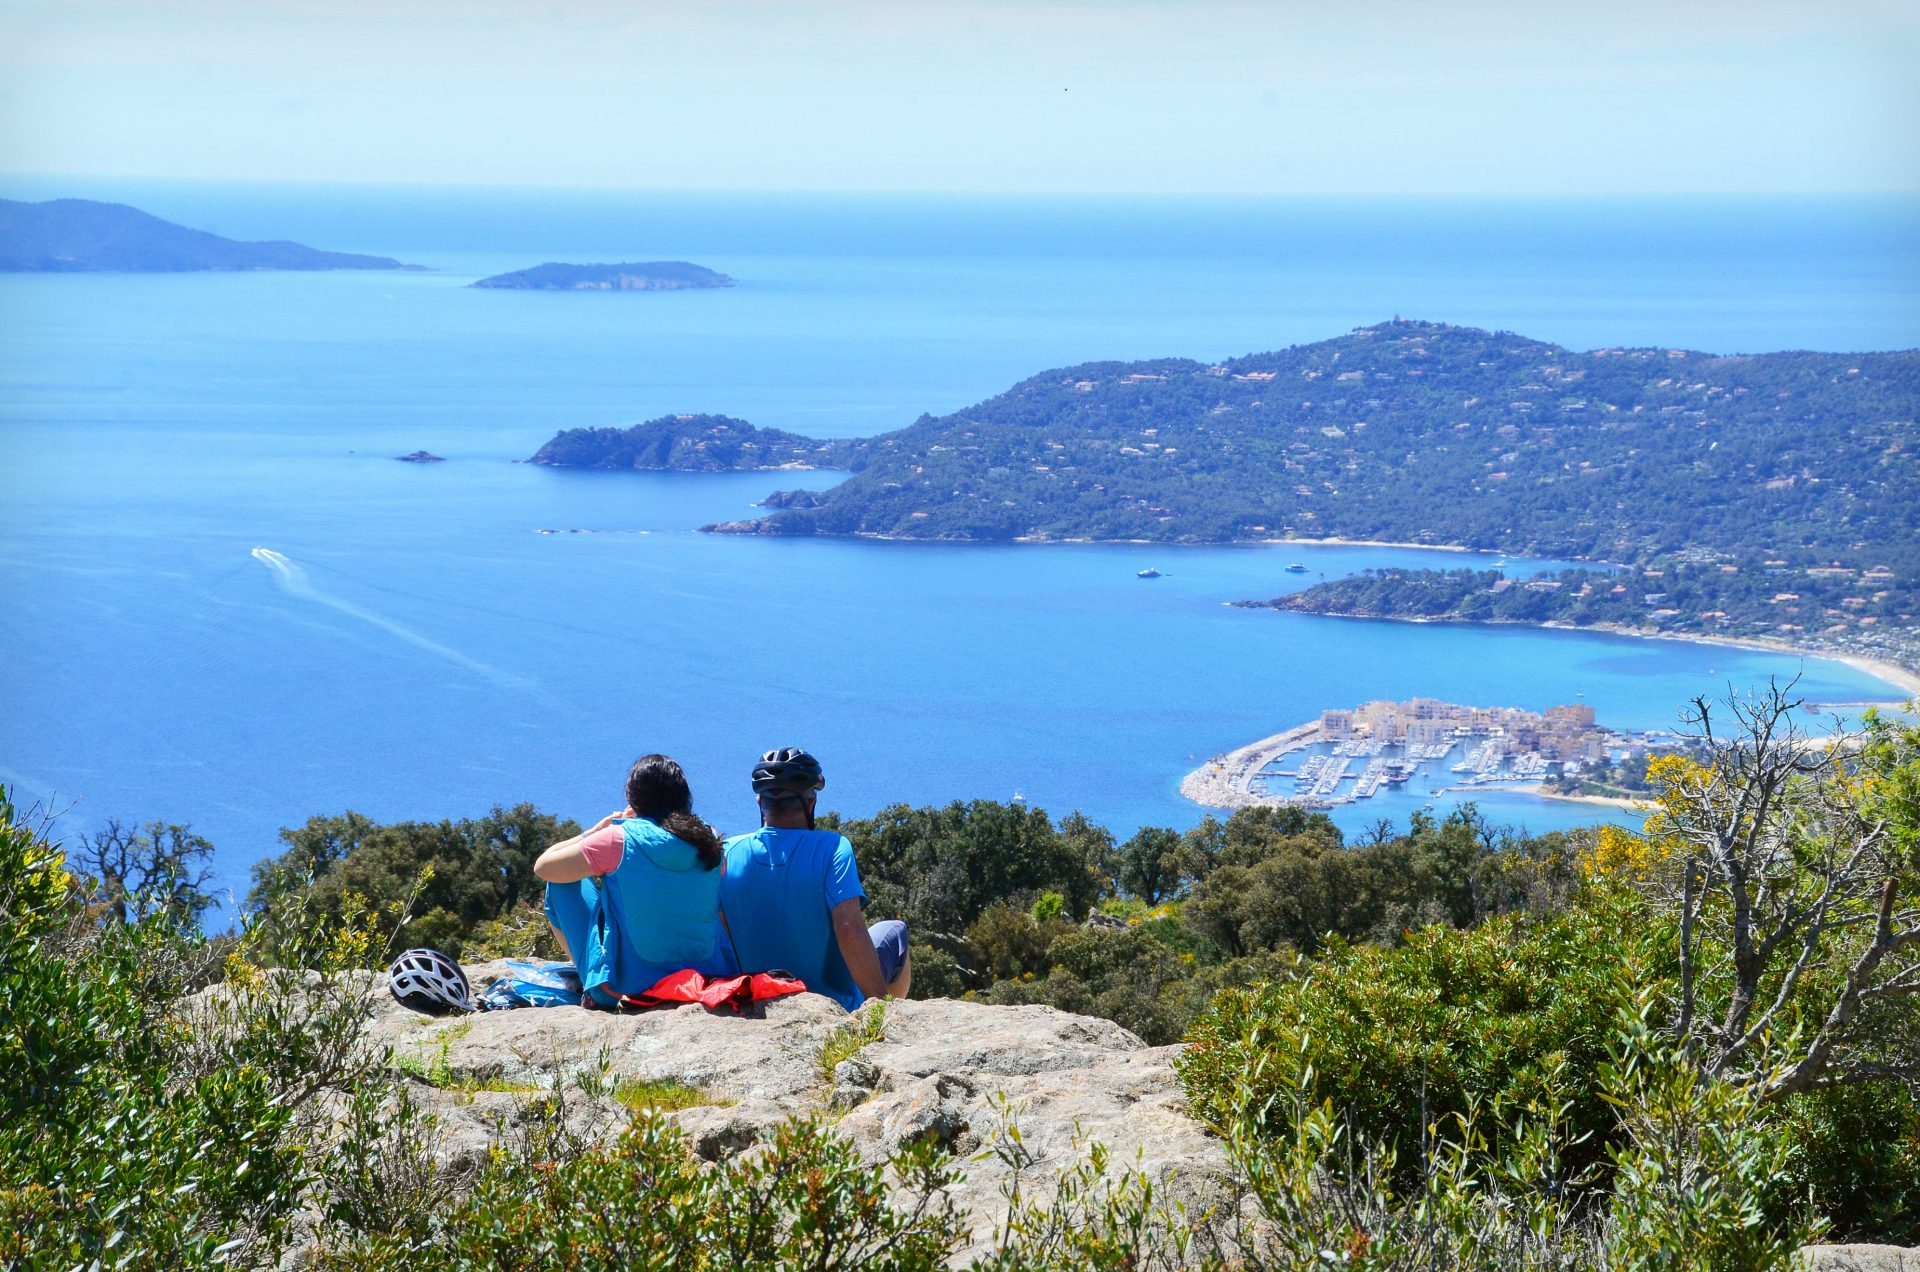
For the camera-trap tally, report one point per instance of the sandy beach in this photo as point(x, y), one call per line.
point(1609, 801)
point(1376, 543)
point(1906, 682)
point(1903, 679)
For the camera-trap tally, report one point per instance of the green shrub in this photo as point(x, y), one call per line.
point(936, 972)
point(1007, 944)
point(453, 877)
point(522, 932)
point(1405, 1038)
point(1854, 1159)
point(1693, 1163)
point(806, 1202)
point(940, 868)
point(1689, 1166)
point(115, 1149)
point(1127, 976)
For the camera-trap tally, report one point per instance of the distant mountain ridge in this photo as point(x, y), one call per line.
point(629, 276)
point(65, 236)
point(1410, 432)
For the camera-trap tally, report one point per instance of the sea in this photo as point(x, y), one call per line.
point(225, 604)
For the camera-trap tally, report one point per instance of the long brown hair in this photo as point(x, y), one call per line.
point(657, 790)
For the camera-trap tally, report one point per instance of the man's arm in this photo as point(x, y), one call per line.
point(856, 947)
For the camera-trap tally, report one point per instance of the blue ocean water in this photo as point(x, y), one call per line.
point(228, 605)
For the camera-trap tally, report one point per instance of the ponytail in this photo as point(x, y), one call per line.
point(657, 790)
point(690, 829)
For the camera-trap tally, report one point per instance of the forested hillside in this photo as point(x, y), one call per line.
point(1406, 431)
point(1873, 612)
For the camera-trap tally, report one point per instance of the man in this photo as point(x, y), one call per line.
point(792, 895)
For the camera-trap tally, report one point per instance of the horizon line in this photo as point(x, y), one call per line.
point(1160, 196)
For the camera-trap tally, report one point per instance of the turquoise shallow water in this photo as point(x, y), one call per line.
point(408, 645)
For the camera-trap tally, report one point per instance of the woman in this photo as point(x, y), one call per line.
point(637, 897)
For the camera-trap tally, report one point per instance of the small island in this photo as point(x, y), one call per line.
point(696, 443)
point(77, 236)
point(627, 276)
point(421, 457)
point(1505, 748)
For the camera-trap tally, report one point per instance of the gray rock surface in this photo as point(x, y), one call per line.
point(954, 1069)
point(1859, 1258)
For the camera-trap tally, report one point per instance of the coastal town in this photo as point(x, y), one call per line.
point(1351, 755)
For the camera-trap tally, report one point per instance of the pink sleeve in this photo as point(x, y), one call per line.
point(605, 848)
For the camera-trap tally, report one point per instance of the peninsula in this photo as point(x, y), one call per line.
point(1398, 742)
point(1673, 461)
point(1869, 616)
point(70, 236)
point(630, 276)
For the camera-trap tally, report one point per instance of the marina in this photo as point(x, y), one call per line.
point(1348, 756)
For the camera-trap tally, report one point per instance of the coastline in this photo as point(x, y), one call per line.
point(1905, 681)
point(1608, 801)
point(1042, 540)
point(1376, 543)
point(1902, 678)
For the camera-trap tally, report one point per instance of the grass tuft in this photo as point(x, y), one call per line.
point(866, 1027)
point(661, 1095)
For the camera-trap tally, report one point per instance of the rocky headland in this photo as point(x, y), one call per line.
point(72, 236)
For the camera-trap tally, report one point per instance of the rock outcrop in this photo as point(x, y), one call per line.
point(951, 1069)
point(1859, 1258)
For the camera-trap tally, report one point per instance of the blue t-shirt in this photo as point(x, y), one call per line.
point(779, 889)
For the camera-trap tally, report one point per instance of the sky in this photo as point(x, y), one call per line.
point(1287, 97)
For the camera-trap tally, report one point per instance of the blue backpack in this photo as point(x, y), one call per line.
point(530, 984)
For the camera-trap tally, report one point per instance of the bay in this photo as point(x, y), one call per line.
point(410, 644)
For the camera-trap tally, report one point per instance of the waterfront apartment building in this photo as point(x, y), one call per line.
point(1557, 734)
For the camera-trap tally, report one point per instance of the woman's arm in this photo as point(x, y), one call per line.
point(567, 861)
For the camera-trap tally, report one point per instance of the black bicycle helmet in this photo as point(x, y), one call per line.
point(788, 769)
point(429, 981)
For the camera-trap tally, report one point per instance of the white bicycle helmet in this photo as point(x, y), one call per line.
point(429, 981)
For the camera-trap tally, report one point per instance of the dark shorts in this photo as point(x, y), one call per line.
point(890, 942)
